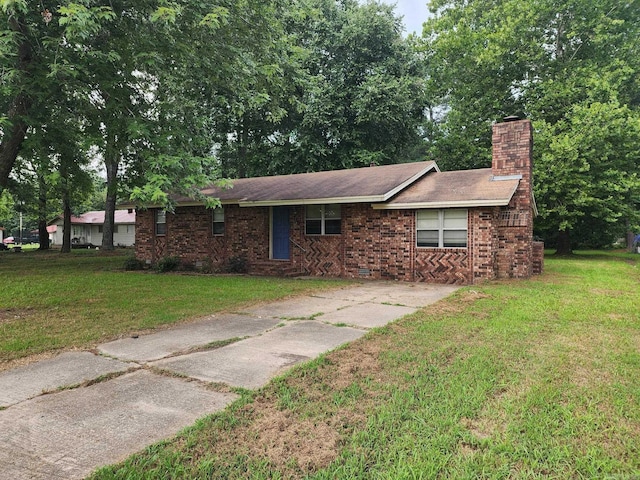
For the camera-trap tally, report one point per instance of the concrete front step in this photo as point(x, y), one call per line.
point(279, 268)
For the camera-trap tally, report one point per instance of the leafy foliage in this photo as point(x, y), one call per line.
point(572, 67)
point(141, 81)
point(351, 95)
point(167, 264)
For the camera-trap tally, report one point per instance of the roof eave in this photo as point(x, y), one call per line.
point(311, 201)
point(341, 200)
point(501, 202)
point(535, 205)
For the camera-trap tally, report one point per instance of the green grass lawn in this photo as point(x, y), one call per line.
point(51, 301)
point(508, 379)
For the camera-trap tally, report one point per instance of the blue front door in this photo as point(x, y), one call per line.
point(280, 233)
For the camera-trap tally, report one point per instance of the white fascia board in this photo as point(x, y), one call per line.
point(312, 201)
point(535, 205)
point(201, 204)
point(459, 204)
point(192, 203)
point(126, 206)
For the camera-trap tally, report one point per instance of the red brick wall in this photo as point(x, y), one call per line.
point(483, 243)
point(376, 244)
point(538, 258)
point(190, 235)
point(144, 245)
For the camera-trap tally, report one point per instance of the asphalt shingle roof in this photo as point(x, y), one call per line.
point(367, 184)
point(405, 185)
point(462, 187)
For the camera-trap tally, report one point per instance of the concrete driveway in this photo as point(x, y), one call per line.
point(67, 416)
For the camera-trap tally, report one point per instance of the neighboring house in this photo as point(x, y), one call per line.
point(86, 229)
point(403, 222)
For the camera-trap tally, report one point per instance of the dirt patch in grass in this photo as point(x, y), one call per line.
point(297, 445)
point(282, 437)
point(14, 314)
point(306, 435)
point(360, 360)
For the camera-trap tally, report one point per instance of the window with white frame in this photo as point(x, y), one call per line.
point(323, 220)
point(446, 228)
point(218, 221)
point(161, 222)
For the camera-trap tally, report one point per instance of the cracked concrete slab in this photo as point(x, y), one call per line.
point(392, 293)
point(64, 370)
point(68, 434)
point(251, 363)
point(364, 316)
point(301, 307)
point(163, 343)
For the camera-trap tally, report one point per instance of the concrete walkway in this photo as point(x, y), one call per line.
point(62, 418)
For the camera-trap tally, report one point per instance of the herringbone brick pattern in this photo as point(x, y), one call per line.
point(323, 256)
point(442, 267)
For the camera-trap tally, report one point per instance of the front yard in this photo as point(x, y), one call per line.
point(513, 379)
point(51, 302)
point(507, 379)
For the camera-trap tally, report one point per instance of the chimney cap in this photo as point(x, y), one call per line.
point(511, 118)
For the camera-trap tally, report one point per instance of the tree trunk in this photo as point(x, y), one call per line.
point(66, 228)
point(630, 241)
point(43, 235)
point(14, 137)
point(564, 243)
point(111, 164)
point(18, 110)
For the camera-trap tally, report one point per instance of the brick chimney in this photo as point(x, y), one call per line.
point(512, 143)
point(518, 256)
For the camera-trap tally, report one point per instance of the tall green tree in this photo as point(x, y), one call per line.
point(352, 95)
point(34, 64)
point(551, 62)
point(142, 79)
point(217, 74)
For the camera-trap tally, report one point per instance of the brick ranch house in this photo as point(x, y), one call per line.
point(406, 222)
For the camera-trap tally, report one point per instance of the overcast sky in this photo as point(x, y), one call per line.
point(414, 12)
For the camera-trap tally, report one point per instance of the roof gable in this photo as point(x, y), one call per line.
point(461, 188)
